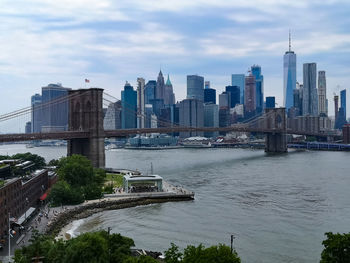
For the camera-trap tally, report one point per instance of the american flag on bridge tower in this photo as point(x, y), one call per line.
point(87, 81)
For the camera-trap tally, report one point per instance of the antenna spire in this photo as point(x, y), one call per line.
point(290, 40)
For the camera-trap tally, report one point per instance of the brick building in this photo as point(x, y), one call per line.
point(17, 195)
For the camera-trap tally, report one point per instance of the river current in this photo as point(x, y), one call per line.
point(277, 206)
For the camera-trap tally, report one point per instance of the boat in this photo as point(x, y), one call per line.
point(196, 142)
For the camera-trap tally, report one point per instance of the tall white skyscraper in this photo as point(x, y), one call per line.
point(322, 94)
point(140, 103)
point(310, 97)
point(289, 76)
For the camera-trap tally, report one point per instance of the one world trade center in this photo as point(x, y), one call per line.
point(289, 76)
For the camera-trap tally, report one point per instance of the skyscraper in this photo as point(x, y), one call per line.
point(191, 115)
point(148, 113)
point(28, 127)
point(322, 94)
point(210, 96)
point(169, 96)
point(195, 87)
point(129, 106)
point(239, 81)
point(259, 87)
point(289, 76)
point(234, 93)
point(54, 115)
point(160, 88)
point(140, 103)
point(336, 106)
point(340, 119)
point(211, 118)
point(270, 102)
point(297, 101)
point(310, 97)
point(224, 100)
point(343, 101)
point(207, 84)
point(112, 119)
point(250, 93)
point(150, 91)
point(36, 117)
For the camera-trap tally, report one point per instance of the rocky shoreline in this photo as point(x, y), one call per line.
point(88, 209)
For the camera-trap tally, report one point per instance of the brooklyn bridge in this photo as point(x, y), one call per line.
point(86, 134)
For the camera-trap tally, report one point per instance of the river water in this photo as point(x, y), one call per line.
point(277, 206)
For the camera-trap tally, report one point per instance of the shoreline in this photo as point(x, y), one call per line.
point(63, 222)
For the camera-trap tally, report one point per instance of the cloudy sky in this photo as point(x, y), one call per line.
point(109, 42)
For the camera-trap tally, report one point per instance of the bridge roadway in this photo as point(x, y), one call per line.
point(122, 133)
point(64, 135)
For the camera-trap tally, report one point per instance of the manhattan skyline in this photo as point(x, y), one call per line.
point(109, 43)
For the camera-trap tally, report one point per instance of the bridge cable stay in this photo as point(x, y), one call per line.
point(43, 106)
point(159, 120)
point(253, 120)
point(107, 102)
point(24, 115)
point(166, 122)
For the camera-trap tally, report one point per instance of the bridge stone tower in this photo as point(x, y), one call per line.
point(276, 141)
point(86, 114)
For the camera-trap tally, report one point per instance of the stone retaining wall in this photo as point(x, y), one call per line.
point(86, 210)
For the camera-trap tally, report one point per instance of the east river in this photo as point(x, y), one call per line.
point(278, 207)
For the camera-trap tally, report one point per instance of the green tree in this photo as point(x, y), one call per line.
point(53, 162)
point(140, 259)
point(64, 194)
point(336, 248)
point(78, 181)
point(89, 247)
point(119, 247)
point(92, 191)
point(4, 157)
point(173, 255)
point(200, 254)
point(99, 176)
point(41, 246)
point(76, 170)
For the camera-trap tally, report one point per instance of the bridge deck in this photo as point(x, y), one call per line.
point(65, 135)
point(122, 133)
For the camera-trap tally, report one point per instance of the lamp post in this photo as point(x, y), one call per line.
point(232, 243)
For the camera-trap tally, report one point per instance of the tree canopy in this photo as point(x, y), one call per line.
point(88, 247)
point(336, 248)
point(103, 247)
point(200, 254)
point(78, 181)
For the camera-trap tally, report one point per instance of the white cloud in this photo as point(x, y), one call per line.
point(230, 44)
point(35, 51)
point(76, 10)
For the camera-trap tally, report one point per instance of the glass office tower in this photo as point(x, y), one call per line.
point(289, 76)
